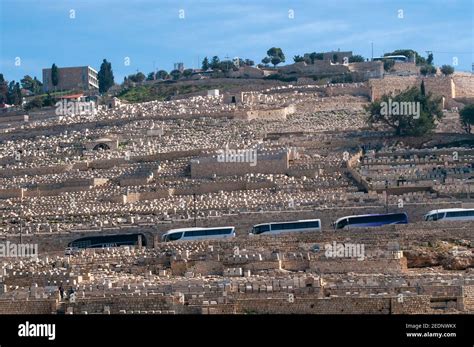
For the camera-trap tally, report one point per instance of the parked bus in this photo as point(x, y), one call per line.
point(450, 214)
point(400, 58)
point(113, 240)
point(190, 234)
point(370, 220)
point(287, 227)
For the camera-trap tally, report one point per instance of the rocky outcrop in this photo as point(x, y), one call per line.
point(450, 256)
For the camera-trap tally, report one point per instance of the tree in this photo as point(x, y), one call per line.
point(126, 82)
point(37, 102)
point(408, 113)
point(162, 74)
point(150, 76)
point(427, 70)
point(37, 86)
point(49, 100)
point(356, 59)
point(266, 61)
point(247, 62)
point(175, 74)
point(215, 62)
point(105, 76)
point(27, 83)
point(18, 95)
point(334, 58)
point(139, 77)
point(422, 88)
point(205, 64)
point(310, 58)
point(226, 65)
point(447, 70)
point(467, 117)
point(298, 59)
point(33, 85)
point(14, 96)
point(315, 56)
point(187, 73)
point(429, 61)
point(275, 56)
point(54, 75)
point(10, 96)
point(388, 64)
point(3, 90)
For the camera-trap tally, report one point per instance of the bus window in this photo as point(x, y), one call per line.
point(218, 232)
point(435, 216)
point(342, 223)
point(261, 229)
point(399, 217)
point(455, 214)
point(174, 236)
point(195, 233)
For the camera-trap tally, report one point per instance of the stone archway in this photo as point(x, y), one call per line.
point(102, 146)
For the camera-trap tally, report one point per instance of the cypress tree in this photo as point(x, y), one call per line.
point(105, 76)
point(54, 75)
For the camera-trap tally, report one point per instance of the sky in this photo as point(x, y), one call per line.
point(147, 35)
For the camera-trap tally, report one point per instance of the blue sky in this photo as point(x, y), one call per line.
point(152, 34)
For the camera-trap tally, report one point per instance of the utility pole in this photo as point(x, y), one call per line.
point(194, 207)
point(372, 44)
point(20, 216)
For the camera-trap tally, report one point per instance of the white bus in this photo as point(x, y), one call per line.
point(190, 234)
point(450, 214)
point(370, 220)
point(287, 227)
point(400, 58)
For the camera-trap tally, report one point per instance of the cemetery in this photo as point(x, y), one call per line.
point(146, 168)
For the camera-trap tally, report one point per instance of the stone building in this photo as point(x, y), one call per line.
point(240, 163)
point(80, 77)
point(338, 55)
